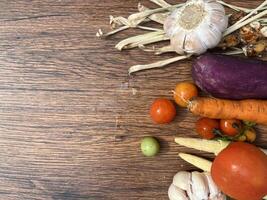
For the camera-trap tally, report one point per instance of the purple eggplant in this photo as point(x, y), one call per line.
point(231, 77)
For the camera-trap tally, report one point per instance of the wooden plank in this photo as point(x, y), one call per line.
point(70, 124)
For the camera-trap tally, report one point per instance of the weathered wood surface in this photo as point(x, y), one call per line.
point(70, 123)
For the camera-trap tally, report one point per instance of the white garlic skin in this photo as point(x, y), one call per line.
point(213, 189)
point(182, 179)
point(200, 188)
point(196, 27)
point(176, 193)
point(194, 186)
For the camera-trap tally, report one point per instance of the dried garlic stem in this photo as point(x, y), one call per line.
point(143, 39)
point(101, 34)
point(157, 51)
point(235, 52)
point(166, 49)
point(159, 64)
point(252, 12)
point(161, 3)
point(157, 17)
point(238, 26)
point(237, 8)
point(137, 18)
point(149, 28)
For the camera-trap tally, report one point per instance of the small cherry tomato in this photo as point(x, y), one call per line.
point(206, 127)
point(231, 127)
point(150, 146)
point(184, 92)
point(240, 171)
point(162, 111)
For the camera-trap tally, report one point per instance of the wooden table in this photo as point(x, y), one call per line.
point(71, 119)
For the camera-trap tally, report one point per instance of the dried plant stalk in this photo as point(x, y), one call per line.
point(159, 64)
point(157, 17)
point(157, 51)
point(161, 3)
point(240, 25)
point(234, 52)
point(101, 34)
point(253, 12)
point(236, 8)
point(137, 18)
point(143, 39)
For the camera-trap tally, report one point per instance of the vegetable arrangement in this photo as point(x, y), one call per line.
point(237, 89)
point(192, 28)
point(239, 170)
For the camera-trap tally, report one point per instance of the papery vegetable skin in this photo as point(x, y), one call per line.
point(231, 77)
point(196, 26)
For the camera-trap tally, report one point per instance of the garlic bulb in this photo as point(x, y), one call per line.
point(194, 186)
point(196, 27)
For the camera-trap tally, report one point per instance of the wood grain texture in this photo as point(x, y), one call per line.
point(70, 124)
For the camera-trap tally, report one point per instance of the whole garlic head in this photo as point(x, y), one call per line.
point(196, 27)
point(194, 186)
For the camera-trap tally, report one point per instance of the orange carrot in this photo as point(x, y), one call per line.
point(248, 110)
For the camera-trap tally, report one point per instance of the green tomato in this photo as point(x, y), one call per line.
point(150, 146)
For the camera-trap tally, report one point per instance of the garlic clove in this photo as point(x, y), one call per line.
point(213, 189)
point(215, 7)
point(182, 179)
point(170, 24)
point(194, 44)
point(219, 20)
point(200, 188)
point(176, 193)
point(178, 42)
point(210, 34)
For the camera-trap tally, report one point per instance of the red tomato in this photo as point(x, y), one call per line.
point(205, 127)
point(240, 171)
point(231, 127)
point(162, 111)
